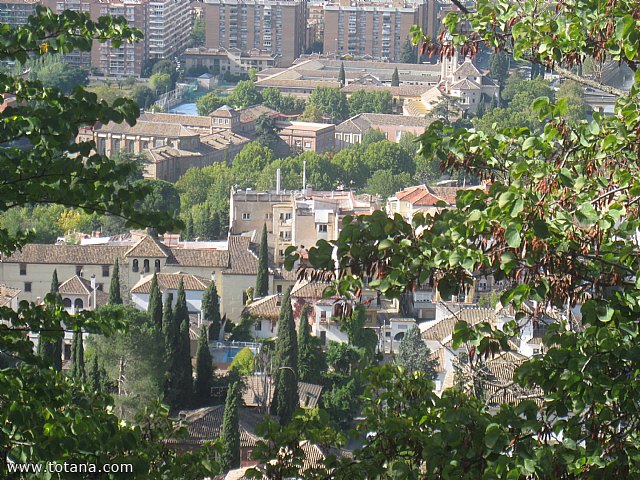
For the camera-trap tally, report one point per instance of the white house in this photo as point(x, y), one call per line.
point(168, 283)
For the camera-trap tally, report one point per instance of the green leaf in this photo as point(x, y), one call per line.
point(492, 434)
point(586, 214)
point(512, 236)
point(540, 228)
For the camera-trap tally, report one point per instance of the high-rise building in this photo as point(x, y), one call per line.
point(16, 12)
point(273, 25)
point(166, 25)
point(375, 29)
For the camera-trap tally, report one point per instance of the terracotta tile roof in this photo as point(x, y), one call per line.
point(149, 246)
point(465, 84)
point(251, 114)
point(147, 128)
point(413, 91)
point(364, 121)
point(67, 254)
point(242, 261)
point(205, 424)
point(438, 356)
point(306, 289)
point(186, 120)
point(497, 380)
point(171, 281)
point(535, 341)
point(76, 286)
point(187, 257)
point(275, 82)
point(7, 294)
point(162, 154)
point(442, 330)
point(260, 387)
point(267, 308)
point(222, 139)
point(467, 69)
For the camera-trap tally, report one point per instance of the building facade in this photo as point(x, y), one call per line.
point(277, 26)
point(376, 29)
point(16, 12)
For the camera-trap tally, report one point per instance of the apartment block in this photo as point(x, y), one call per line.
point(235, 61)
point(375, 29)
point(16, 12)
point(166, 26)
point(299, 218)
point(277, 26)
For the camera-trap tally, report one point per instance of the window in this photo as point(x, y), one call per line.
point(100, 287)
point(78, 304)
point(79, 270)
point(145, 265)
point(246, 216)
point(27, 286)
point(134, 267)
point(282, 253)
point(23, 269)
point(323, 337)
point(116, 146)
point(157, 266)
point(323, 228)
point(258, 326)
point(279, 289)
point(66, 303)
point(307, 144)
point(105, 270)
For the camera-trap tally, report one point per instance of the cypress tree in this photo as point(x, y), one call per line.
point(94, 374)
point(54, 282)
point(52, 349)
point(170, 335)
point(115, 298)
point(230, 456)
point(187, 233)
point(285, 398)
point(395, 78)
point(215, 226)
point(342, 77)
point(211, 310)
point(262, 279)
point(306, 362)
point(183, 370)
point(77, 357)
point(155, 304)
point(204, 368)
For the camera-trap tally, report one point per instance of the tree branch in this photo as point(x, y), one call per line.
point(591, 83)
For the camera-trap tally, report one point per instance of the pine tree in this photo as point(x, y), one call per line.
point(77, 357)
point(155, 304)
point(342, 77)
point(395, 78)
point(285, 398)
point(182, 358)
point(230, 456)
point(204, 368)
point(306, 357)
point(262, 279)
point(115, 298)
point(211, 310)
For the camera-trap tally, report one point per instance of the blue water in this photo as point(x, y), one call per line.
point(185, 109)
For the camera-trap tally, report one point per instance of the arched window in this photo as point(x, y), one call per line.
point(66, 302)
point(398, 337)
point(157, 266)
point(78, 304)
point(146, 265)
point(135, 266)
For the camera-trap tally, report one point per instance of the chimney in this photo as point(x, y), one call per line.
point(304, 174)
point(309, 190)
point(93, 288)
point(278, 181)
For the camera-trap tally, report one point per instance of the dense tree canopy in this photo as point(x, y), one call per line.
point(559, 223)
point(208, 103)
point(364, 101)
point(330, 102)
